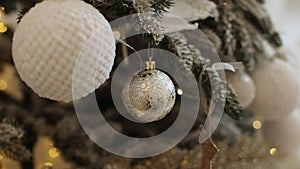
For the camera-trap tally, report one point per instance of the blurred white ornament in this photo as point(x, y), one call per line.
point(276, 90)
point(48, 42)
point(149, 96)
point(284, 134)
point(243, 86)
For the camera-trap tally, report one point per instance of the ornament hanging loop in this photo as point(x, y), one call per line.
point(150, 65)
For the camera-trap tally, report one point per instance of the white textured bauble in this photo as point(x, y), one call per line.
point(49, 40)
point(243, 86)
point(149, 96)
point(276, 90)
point(284, 134)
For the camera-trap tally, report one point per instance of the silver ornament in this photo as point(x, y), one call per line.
point(149, 96)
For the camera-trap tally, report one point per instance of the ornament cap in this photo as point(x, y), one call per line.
point(150, 65)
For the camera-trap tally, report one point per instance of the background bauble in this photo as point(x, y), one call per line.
point(243, 86)
point(276, 90)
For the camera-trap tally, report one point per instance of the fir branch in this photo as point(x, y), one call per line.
point(148, 21)
point(10, 142)
point(15, 151)
point(237, 42)
point(190, 57)
point(225, 31)
point(222, 91)
point(193, 60)
point(232, 106)
point(188, 54)
point(161, 6)
point(112, 9)
point(9, 132)
point(255, 36)
point(245, 51)
point(258, 16)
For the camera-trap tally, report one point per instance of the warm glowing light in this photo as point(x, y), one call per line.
point(117, 34)
point(225, 3)
point(257, 125)
point(184, 162)
point(179, 92)
point(3, 28)
point(1, 156)
point(53, 152)
point(273, 151)
point(48, 164)
point(2, 8)
point(3, 85)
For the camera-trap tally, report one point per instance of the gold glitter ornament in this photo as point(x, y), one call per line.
point(150, 95)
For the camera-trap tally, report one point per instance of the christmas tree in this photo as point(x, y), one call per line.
point(143, 84)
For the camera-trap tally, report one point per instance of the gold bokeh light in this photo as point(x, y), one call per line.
point(179, 91)
point(53, 152)
point(3, 85)
point(273, 151)
point(257, 124)
point(48, 164)
point(3, 28)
